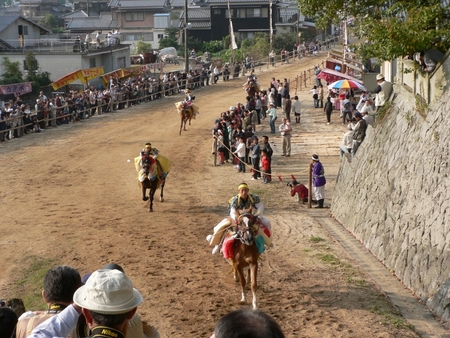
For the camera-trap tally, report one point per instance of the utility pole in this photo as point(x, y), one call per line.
point(186, 49)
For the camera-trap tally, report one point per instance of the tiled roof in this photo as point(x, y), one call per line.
point(232, 2)
point(7, 20)
point(197, 14)
point(201, 25)
point(105, 21)
point(137, 3)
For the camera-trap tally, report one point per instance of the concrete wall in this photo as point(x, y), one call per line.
point(395, 196)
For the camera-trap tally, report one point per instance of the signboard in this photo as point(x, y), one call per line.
point(16, 89)
point(84, 75)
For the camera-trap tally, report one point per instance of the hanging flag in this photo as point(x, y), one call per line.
point(233, 39)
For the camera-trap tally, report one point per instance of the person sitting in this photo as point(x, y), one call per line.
point(147, 161)
point(108, 301)
point(247, 323)
point(242, 203)
point(60, 284)
point(300, 190)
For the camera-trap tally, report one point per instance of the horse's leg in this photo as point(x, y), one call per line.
point(185, 121)
point(144, 190)
point(254, 274)
point(181, 125)
point(242, 280)
point(161, 196)
point(152, 194)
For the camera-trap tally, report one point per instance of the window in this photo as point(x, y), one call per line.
point(92, 63)
point(139, 16)
point(160, 36)
point(217, 11)
point(253, 13)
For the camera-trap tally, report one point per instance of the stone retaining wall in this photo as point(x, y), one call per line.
point(395, 196)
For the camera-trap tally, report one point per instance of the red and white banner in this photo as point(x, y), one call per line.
point(16, 89)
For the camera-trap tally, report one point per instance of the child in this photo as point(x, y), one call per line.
point(264, 165)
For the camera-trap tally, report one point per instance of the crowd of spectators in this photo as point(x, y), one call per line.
point(18, 118)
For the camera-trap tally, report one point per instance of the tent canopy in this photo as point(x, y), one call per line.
point(84, 75)
point(330, 76)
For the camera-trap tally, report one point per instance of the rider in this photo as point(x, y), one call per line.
point(243, 202)
point(150, 153)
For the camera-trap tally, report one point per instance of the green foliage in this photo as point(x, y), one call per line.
point(31, 63)
point(195, 44)
point(284, 41)
point(171, 32)
point(12, 73)
point(49, 21)
point(213, 46)
point(389, 28)
point(37, 78)
point(142, 47)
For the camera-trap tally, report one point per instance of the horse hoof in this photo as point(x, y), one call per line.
point(161, 199)
point(150, 210)
point(145, 198)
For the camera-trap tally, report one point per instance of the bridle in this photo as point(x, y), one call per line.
point(247, 234)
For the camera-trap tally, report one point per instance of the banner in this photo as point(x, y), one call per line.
point(233, 39)
point(16, 89)
point(84, 75)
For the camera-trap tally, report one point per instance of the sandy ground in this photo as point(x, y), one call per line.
point(70, 194)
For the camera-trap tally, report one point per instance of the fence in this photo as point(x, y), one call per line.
point(429, 86)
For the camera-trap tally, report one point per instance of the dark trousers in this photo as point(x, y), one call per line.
point(255, 164)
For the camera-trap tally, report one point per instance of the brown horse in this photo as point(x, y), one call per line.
point(186, 115)
point(245, 254)
point(152, 183)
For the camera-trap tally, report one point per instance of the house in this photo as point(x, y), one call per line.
point(56, 56)
point(248, 16)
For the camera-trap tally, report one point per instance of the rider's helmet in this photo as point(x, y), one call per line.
point(148, 147)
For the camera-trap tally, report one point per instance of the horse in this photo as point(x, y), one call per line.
point(186, 113)
point(151, 182)
point(246, 254)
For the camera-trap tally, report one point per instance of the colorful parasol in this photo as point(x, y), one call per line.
point(346, 84)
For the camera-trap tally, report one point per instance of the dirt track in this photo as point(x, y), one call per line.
point(70, 194)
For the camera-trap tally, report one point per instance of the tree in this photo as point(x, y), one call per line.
point(50, 21)
point(37, 78)
point(168, 42)
point(389, 28)
point(12, 73)
point(142, 47)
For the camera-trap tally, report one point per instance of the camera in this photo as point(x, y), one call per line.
point(289, 185)
point(2, 303)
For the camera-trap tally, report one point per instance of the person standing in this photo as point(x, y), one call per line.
point(240, 153)
point(328, 109)
point(265, 166)
point(320, 92)
point(296, 109)
point(315, 96)
point(318, 174)
point(256, 156)
point(269, 152)
point(272, 112)
point(287, 107)
point(285, 131)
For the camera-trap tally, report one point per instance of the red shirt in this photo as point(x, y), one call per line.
point(265, 163)
point(301, 190)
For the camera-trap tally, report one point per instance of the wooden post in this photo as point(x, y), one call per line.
point(310, 187)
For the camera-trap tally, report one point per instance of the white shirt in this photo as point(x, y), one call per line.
point(57, 326)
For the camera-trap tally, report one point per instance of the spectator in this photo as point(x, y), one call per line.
point(272, 58)
point(8, 321)
point(359, 132)
point(288, 107)
point(60, 283)
point(269, 152)
point(318, 174)
point(240, 153)
point(108, 301)
point(320, 93)
point(285, 131)
point(315, 96)
point(346, 111)
point(347, 143)
point(265, 166)
point(256, 157)
point(296, 109)
point(328, 109)
point(272, 112)
point(368, 118)
point(300, 190)
point(383, 90)
point(246, 323)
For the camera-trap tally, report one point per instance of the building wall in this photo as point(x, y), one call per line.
point(395, 196)
point(59, 65)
